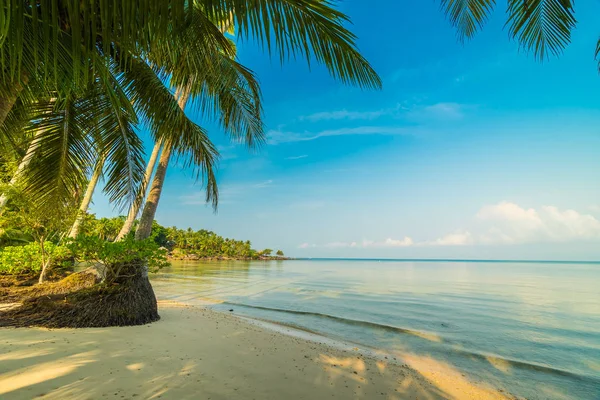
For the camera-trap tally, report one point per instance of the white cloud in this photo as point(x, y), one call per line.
point(280, 136)
point(508, 222)
point(438, 111)
point(297, 157)
point(413, 120)
point(350, 115)
point(389, 242)
point(594, 208)
point(263, 184)
point(335, 245)
point(453, 239)
point(504, 223)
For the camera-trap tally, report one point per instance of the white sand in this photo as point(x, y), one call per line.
point(194, 353)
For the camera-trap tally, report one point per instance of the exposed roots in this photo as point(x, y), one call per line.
point(78, 302)
point(22, 289)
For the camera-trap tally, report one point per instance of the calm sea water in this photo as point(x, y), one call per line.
point(531, 328)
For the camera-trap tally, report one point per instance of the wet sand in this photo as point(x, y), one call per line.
point(195, 353)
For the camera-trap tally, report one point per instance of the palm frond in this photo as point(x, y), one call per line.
point(12, 137)
point(541, 26)
point(306, 28)
point(133, 24)
point(227, 92)
point(598, 53)
point(195, 150)
point(64, 156)
point(117, 141)
point(159, 110)
point(467, 16)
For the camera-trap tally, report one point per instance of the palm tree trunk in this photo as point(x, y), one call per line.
point(8, 101)
point(144, 229)
point(145, 226)
point(87, 199)
point(31, 150)
point(135, 206)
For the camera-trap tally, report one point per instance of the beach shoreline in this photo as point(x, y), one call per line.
point(194, 352)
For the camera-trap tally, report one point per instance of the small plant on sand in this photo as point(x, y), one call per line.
point(120, 260)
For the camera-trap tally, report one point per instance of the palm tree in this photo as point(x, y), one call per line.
point(240, 115)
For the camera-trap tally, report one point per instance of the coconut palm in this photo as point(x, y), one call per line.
point(541, 26)
point(322, 32)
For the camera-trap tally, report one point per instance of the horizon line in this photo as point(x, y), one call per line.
point(453, 260)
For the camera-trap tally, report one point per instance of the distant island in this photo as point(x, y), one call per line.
point(185, 244)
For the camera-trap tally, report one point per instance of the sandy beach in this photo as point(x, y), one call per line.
point(196, 353)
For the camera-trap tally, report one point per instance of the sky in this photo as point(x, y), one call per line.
point(471, 151)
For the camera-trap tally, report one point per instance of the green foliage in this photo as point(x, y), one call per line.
point(279, 253)
point(207, 244)
point(41, 223)
point(122, 258)
point(266, 252)
point(29, 258)
point(540, 26)
point(104, 228)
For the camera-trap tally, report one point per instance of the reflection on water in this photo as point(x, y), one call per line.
point(532, 328)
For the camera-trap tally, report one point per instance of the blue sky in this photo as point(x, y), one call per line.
point(469, 151)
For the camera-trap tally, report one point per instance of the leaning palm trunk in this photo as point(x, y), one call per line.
point(87, 199)
point(6, 104)
point(31, 150)
point(144, 228)
point(135, 206)
point(8, 100)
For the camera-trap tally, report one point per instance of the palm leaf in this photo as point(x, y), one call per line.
point(158, 109)
point(132, 24)
point(306, 28)
point(598, 54)
point(227, 92)
point(467, 16)
point(541, 26)
point(61, 163)
point(118, 142)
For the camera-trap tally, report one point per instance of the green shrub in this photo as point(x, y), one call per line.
point(28, 258)
point(119, 258)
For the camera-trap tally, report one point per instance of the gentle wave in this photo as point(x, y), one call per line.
point(336, 318)
point(422, 334)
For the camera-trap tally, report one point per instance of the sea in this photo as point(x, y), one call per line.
point(531, 328)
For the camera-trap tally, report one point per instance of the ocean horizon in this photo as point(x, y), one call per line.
point(533, 261)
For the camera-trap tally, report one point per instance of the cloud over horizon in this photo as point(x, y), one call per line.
point(504, 223)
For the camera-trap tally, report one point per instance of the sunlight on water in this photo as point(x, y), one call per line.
point(530, 328)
